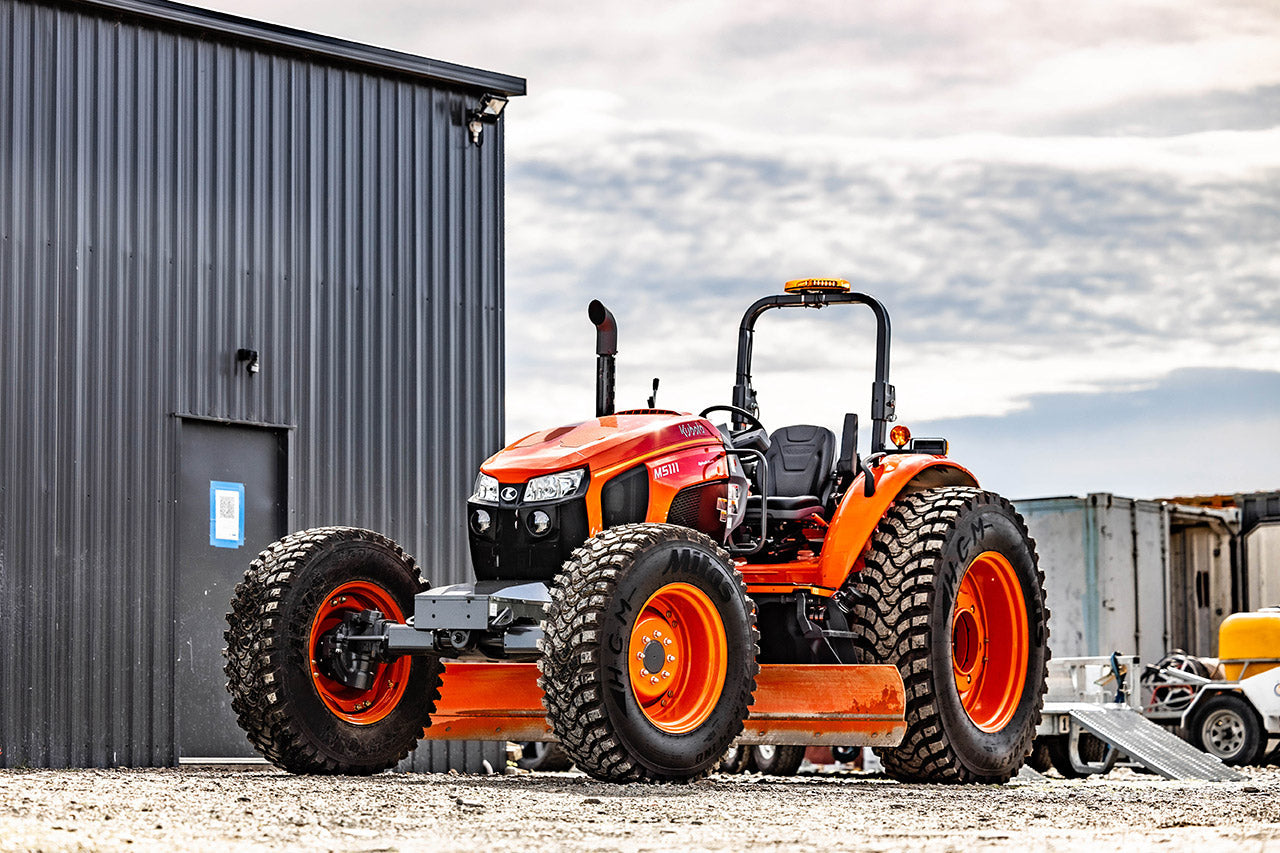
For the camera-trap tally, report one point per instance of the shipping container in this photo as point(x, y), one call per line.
point(1133, 576)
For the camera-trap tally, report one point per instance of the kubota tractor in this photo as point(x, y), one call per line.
point(651, 587)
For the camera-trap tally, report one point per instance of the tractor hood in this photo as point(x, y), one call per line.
point(600, 443)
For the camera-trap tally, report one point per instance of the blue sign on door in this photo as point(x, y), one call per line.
point(226, 514)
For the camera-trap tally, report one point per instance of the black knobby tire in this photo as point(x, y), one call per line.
point(268, 657)
point(903, 610)
point(777, 760)
point(596, 602)
point(1225, 725)
point(544, 757)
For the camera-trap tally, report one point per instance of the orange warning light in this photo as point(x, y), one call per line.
point(899, 435)
point(817, 285)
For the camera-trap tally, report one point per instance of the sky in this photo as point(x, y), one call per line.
point(1071, 210)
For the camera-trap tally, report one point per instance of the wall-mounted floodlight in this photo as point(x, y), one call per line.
point(250, 357)
point(488, 112)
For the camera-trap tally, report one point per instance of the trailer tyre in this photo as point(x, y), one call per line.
point(777, 760)
point(1226, 726)
point(736, 759)
point(649, 656)
point(952, 595)
point(543, 757)
point(299, 718)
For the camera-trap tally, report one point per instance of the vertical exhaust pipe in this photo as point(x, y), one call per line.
point(606, 349)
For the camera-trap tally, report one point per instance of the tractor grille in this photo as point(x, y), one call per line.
point(695, 506)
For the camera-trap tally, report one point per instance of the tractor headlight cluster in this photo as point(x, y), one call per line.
point(554, 486)
point(486, 489)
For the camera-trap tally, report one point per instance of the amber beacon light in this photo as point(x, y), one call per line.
point(817, 285)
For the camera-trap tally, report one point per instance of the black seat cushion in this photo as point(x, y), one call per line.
point(793, 507)
point(800, 460)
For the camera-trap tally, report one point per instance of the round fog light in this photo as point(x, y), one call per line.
point(480, 521)
point(540, 522)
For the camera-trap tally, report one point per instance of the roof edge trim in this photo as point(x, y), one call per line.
point(303, 41)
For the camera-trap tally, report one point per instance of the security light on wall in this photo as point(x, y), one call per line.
point(250, 356)
point(489, 111)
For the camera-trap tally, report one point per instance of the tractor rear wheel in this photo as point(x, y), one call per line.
point(293, 708)
point(649, 658)
point(952, 595)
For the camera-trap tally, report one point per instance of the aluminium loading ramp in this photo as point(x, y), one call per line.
point(1149, 744)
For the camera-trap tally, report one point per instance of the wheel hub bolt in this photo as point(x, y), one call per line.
point(667, 641)
point(653, 680)
point(666, 674)
point(657, 635)
point(671, 658)
point(643, 672)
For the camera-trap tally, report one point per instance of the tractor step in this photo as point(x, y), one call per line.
point(840, 705)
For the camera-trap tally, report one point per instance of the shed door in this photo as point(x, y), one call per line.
point(231, 504)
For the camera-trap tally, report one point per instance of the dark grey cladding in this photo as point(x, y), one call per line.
point(174, 185)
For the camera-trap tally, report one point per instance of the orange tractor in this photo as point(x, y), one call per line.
point(651, 588)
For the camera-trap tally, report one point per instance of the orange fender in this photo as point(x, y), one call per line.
point(857, 516)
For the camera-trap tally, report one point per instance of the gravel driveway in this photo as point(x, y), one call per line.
point(259, 808)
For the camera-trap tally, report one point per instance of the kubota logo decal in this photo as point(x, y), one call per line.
point(667, 470)
point(692, 430)
point(508, 494)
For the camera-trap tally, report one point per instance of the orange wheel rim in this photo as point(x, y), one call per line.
point(361, 707)
point(990, 641)
point(678, 657)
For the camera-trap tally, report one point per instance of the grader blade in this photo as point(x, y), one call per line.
point(832, 705)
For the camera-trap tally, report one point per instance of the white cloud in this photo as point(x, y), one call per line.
point(1052, 197)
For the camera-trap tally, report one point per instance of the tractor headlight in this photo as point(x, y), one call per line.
point(554, 486)
point(486, 489)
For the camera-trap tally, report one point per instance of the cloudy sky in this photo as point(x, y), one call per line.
point(1072, 211)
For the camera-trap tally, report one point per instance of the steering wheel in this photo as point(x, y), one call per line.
point(752, 421)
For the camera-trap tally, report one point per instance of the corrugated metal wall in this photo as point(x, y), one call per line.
point(166, 197)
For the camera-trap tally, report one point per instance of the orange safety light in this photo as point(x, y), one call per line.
point(817, 285)
point(899, 435)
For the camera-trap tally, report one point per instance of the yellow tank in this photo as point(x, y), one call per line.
point(1249, 637)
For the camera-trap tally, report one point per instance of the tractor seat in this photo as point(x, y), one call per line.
point(801, 459)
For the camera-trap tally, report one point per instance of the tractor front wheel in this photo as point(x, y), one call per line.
point(298, 711)
point(952, 595)
point(649, 658)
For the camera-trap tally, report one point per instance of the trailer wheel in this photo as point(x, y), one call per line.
point(777, 760)
point(1080, 753)
point(1225, 725)
point(543, 757)
point(649, 658)
point(296, 714)
point(951, 594)
point(736, 759)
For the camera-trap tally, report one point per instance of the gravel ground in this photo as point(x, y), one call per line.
point(259, 808)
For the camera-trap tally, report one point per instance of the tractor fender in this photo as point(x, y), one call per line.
point(857, 516)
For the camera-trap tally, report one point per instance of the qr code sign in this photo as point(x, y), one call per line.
point(227, 509)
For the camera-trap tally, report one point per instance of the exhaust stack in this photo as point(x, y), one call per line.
point(606, 349)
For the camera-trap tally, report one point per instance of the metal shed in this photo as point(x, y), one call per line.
point(251, 280)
